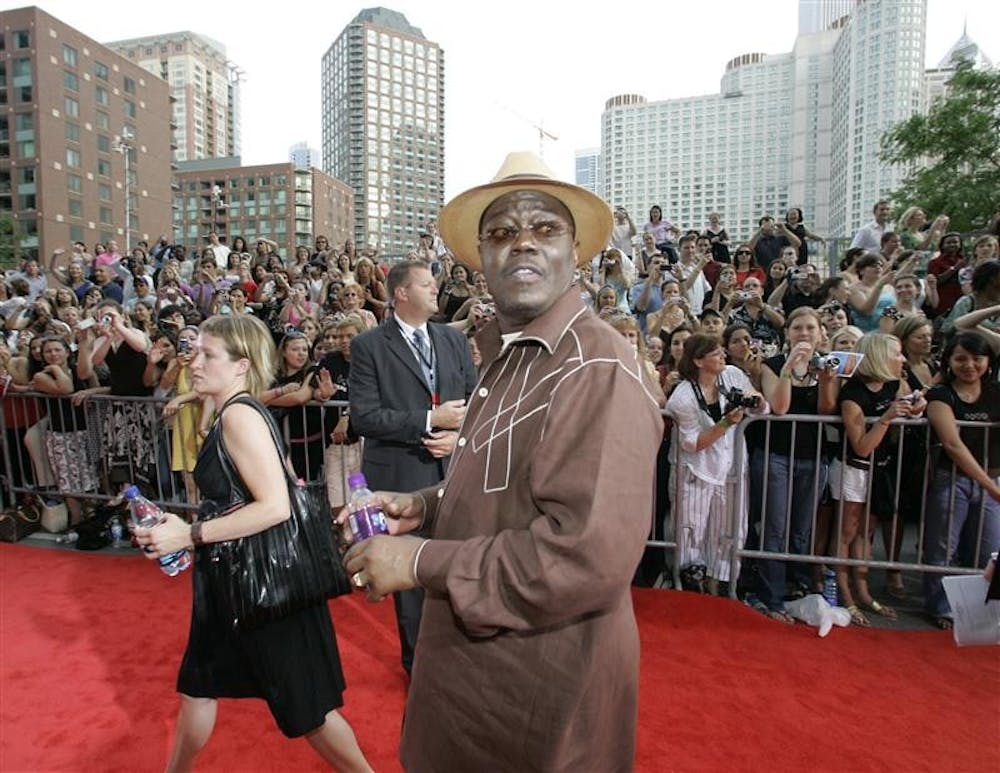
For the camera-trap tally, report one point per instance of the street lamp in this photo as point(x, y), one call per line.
point(124, 145)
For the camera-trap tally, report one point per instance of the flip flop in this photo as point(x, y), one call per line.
point(858, 617)
point(880, 609)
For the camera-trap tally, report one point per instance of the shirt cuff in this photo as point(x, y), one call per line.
point(430, 565)
point(427, 422)
point(416, 560)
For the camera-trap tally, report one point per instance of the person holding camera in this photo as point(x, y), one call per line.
point(707, 406)
point(747, 307)
point(771, 238)
point(862, 482)
point(796, 383)
point(624, 232)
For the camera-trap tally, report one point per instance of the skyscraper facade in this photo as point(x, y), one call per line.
point(84, 139)
point(383, 126)
point(588, 169)
point(204, 85)
point(878, 81)
point(800, 129)
point(304, 157)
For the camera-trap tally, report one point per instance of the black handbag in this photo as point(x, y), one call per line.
point(288, 567)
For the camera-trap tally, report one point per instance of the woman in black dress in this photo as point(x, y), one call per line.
point(292, 663)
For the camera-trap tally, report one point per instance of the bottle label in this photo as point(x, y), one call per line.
point(366, 522)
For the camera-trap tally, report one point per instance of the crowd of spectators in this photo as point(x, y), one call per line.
point(716, 321)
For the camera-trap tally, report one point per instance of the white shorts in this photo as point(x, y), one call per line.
point(854, 485)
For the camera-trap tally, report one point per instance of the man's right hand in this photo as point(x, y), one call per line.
point(448, 415)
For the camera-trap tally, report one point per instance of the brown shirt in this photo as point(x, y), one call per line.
point(528, 656)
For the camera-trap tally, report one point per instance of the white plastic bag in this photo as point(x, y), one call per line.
point(816, 610)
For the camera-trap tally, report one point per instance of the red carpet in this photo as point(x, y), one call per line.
point(90, 645)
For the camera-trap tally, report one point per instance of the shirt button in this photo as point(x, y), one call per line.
point(483, 392)
point(461, 442)
point(440, 493)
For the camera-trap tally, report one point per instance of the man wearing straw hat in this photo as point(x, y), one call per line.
point(528, 655)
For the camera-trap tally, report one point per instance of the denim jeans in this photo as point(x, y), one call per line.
point(972, 508)
point(788, 514)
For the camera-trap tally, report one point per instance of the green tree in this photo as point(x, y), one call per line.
point(952, 154)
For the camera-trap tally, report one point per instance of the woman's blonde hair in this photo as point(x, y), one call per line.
point(907, 216)
point(877, 349)
point(909, 325)
point(246, 337)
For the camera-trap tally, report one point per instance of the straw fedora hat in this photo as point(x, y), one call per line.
point(524, 171)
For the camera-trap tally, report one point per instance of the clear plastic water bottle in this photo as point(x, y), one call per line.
point(116, 532)
point(146, 515)
point(364, 513)
point(830, 586)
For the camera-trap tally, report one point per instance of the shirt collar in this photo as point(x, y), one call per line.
point(408, 329)
point(548, 329)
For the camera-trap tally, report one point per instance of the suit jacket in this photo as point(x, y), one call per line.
point(389, 400)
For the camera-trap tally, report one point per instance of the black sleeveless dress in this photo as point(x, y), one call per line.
point(291, 663)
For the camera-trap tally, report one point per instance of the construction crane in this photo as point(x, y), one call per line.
point(543, 134)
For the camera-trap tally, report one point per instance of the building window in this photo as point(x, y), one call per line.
point(21, 38)
point(103, 143)
point(72, 108)
point(103, 120)
point(26, 149)
point(129, 86)
point(104, 215)
point(72, 132)
point(101, 95)
point(70, 81)
point(104, 191)
point(103, 167)
point(76, 233)
point(74, 182)
point(72, 157)
point(75, 208)
point(69, 55)
point(101, 71)
point(130, 108)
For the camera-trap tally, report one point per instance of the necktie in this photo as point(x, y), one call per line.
point(424, 355)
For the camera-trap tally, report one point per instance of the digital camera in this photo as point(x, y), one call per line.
point(736, 399)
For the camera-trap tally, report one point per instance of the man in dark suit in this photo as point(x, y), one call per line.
point(408, 385)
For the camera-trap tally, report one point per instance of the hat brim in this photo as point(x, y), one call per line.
point(459, 220)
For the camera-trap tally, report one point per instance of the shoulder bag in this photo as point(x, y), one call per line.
point(288, 567)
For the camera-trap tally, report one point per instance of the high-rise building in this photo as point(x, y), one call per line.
point(304, 157)
point(383, 126)
point(800, 129)
point(588, 169)
point(878, 81)
point(965, 49)
point(819, 15)
point(279, 202)
point(205, 87)
point(84, 139)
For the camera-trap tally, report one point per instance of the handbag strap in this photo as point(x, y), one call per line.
point(228, 467)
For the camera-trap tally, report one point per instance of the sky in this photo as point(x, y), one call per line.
point(509, 66)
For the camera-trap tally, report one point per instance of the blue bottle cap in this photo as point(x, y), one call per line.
point(131, 492)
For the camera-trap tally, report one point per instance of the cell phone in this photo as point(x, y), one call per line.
point(183, 345)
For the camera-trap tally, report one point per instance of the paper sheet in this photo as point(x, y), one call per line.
point(976, 622)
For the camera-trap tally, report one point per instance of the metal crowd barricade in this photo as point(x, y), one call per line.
point(128, 440)
point(153, 451)
point(921, 475)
